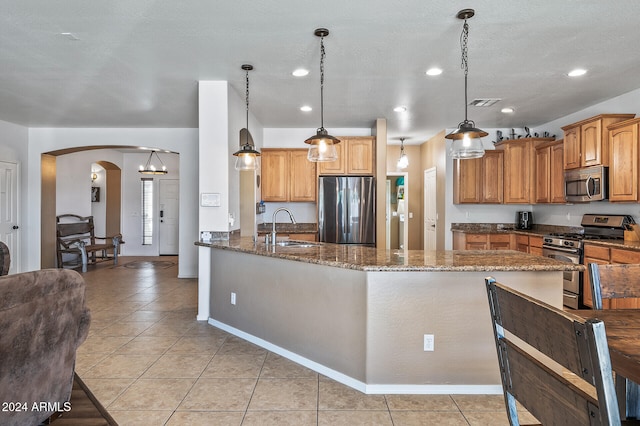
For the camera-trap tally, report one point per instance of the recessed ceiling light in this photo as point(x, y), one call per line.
point(400, 109)
point(577, 72)
point(507, 110)
point(300, 72)
point(434, 71)
point(306, 108)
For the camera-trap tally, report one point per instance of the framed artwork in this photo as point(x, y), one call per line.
point(95, 194)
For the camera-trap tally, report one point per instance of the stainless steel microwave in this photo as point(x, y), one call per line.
point(588, 184)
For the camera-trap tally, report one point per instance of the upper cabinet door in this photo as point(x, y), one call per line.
point(275, 175)
point(492, 177)
point(302, 181)
point(623, 170)
point(591, 142)
point(360, 156)
point(572, 148)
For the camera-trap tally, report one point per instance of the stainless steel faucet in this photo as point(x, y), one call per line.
point(273, 222)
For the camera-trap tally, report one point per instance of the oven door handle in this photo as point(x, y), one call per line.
point(561, 249)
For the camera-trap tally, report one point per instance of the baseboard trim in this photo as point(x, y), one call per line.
point(356, 384)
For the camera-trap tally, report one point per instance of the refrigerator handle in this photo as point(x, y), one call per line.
point(346, 216)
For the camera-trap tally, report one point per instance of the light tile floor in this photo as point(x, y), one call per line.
point(149, 362)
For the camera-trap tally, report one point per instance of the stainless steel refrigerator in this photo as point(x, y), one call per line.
point(346, 209)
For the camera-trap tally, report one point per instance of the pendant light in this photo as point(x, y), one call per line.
point(150, 169)
point(247, 155)
point(466, 138)
point(403, 161)
point(322, 144)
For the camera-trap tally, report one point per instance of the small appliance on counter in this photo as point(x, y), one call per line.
point(524, 220)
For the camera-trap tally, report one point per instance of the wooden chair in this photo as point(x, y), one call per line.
point(612, 282)
point(75, 236)
point(547, 343)
point(609, 285)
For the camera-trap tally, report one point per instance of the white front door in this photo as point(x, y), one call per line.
point(9, 211)
point(168, 215)
point(430, 210)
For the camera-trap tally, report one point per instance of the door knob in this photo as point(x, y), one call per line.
point(15, 227)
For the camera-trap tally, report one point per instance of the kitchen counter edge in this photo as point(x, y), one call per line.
point(371, 259)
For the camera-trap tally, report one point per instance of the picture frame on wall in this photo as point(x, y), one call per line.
point(95, 194)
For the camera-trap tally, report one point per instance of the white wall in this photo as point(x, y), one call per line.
point(183, 141)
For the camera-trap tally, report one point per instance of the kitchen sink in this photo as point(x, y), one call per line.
point(292, 243)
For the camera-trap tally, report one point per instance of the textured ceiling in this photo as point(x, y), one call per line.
point(137, 63)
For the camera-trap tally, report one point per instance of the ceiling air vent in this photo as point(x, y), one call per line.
point(484, 102)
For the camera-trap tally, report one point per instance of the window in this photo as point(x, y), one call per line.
point(147, 211)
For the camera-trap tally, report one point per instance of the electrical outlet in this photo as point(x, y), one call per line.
point(429, 342)
point(568, 216)
point(233, 298)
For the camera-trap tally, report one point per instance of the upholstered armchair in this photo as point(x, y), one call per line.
point(5, 259)
point(43, 320)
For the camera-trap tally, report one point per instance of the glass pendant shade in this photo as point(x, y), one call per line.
point(246, 158)
point(466, 141)
point(403, 161)
point(322, 147)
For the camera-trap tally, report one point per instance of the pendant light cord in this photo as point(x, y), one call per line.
point(247, 101)
point(322, 55)
point(464, 39)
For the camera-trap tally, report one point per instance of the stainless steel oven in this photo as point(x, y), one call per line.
point(566, 249)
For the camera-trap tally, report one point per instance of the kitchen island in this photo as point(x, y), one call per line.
point(360, 315)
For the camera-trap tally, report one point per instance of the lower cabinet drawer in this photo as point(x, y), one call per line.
point(624, 256)
point(596, 251)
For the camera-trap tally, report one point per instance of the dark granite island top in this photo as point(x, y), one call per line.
point(372, 259)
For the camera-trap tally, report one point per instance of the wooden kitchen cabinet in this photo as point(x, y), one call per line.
point(522, 243)
point(355, 157)
point(287, 176)
point(535, 245)
point(479, 180)
point(623, 161)
point(500, 241)
point(482, 241)
point(603, 256)
point(519, 169)
point(586, 143)
point(549, 182)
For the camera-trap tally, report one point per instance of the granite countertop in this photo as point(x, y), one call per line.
point(510, 228)
point(371, 259)
point(621, 244)
point(288, 228)
point(538, 230)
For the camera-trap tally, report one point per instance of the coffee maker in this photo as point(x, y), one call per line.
point(524, 220)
